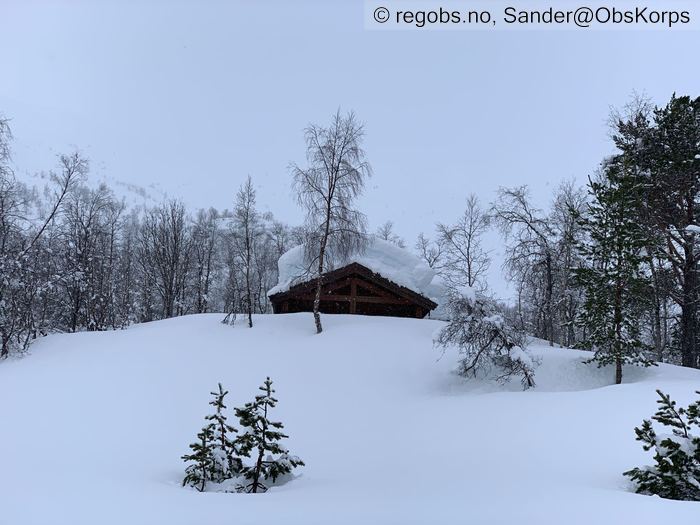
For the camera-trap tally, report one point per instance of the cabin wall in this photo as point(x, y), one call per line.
point(348, 292)
point(343, 307)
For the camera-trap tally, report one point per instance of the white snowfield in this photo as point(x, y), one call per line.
point(94, 424)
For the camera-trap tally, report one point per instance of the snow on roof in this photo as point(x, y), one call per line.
point(388, 260)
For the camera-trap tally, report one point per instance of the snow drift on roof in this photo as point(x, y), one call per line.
point(382, 257)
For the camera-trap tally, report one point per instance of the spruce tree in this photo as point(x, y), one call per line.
point(202, 460)
point(676, 473)
point(227, 464)
point(669, 151)
point(614, 283)
point(260, 439)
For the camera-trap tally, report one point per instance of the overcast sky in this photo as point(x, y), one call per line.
point(194, 96)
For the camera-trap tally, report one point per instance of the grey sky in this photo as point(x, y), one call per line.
point(194, 96)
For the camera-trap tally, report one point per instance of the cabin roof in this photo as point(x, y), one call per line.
point(358, 269)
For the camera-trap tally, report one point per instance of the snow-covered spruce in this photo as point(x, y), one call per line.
point(216, 461)
point(201, 460)
point(485, 339)
point(227, 464)
point(676, 472)
point(214, 456)
point(616, 287)
point(260, 439)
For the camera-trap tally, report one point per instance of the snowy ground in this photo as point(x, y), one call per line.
point(94, 424)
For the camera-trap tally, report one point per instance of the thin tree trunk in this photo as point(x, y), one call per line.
point(319, 284)
point(658, 344)
point(618, 333)
point(204, 469)
point(656, 311)
point(5, 351)
point(249, 299)
point(261, 454)
point(549, 323)
point(319, 278)
point(256, 473)
point(248, 246)
point(689, 310)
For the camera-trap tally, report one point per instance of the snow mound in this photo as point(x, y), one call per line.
point(94, 424)
point(388, 260)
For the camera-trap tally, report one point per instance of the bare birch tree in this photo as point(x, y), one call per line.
point(5, 139)
point(23, 258)
point(465, 261)
point(247, 233)
point(326, 189)
point(166, 255)
point(569, 207)
point(530, 252)
point(429, 251)
point(205, 237)
point(386, 233)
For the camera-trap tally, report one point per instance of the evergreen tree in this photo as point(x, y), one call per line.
point(227, 464)
point(202, 460)
point(670, 153)
point(261, 439)
point(676, 474)
point(614, 283)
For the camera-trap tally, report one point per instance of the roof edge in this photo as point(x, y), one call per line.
point(366, 272)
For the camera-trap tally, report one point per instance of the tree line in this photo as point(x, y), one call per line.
point(76, 258)
point(610, 266)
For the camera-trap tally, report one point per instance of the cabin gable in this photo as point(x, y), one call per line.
point(354, 289)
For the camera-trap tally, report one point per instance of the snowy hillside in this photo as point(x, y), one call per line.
point(94, 425)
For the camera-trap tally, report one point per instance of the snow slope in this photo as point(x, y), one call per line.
point(94, 424)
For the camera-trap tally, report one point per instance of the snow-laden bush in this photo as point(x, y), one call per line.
point(676, 472)
point(485, 338)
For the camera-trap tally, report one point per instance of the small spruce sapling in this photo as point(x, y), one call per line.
point(676, 473)
point(202, 460)
point(227, 464)
point(260, 439)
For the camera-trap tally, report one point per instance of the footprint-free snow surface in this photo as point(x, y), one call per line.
point(93, 426)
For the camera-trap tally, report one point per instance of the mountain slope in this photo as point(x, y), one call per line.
point(94, 424)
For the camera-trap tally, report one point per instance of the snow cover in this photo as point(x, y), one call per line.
point(94, 424)
point(388, 260)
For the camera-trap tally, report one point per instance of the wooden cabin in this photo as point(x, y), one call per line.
point(354, 289)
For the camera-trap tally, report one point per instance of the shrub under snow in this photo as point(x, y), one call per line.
point(485, 338)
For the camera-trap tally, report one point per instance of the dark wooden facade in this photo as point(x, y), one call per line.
point(354, 289)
